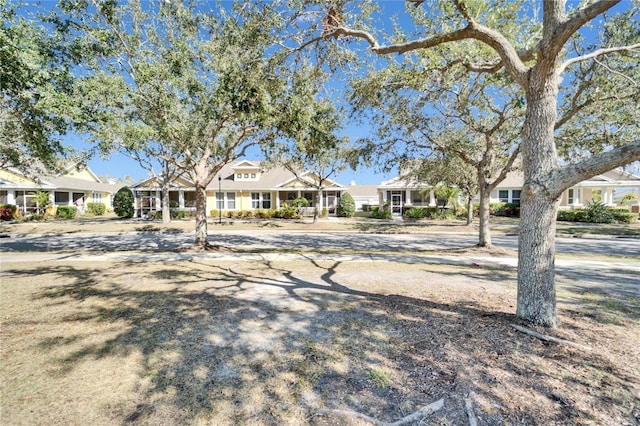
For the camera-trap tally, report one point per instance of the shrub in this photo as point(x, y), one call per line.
point(8, 211)
point(96, 209)
point(415, 213)
point(287, 212)
point(504, 209)
point(384, 213)
point(346, 205)
point(300, 202)
point(597, 212)
point(123, 202)
point(67, 212)
point(625, 217)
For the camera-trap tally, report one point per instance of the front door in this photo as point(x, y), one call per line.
point(396, 203)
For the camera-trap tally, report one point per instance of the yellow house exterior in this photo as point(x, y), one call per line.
point(74, 186)
point(244, 185)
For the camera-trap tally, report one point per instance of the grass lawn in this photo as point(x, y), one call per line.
point(206, 342)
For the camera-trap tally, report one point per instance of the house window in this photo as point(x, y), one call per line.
point(220, 200)
point(231, 200)
point(61, 198)
point(260, 200)
point(96, 197)
point(246, 175)
point(253, 175)
point(309, 197)
point(25, 201)
point(571, 196)
point(189, 199)
point(266, 200)
point(515, 196)
point(239, 176)
point(503, 195)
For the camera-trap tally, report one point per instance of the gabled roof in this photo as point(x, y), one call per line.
point(62, 181)
point(153, 182)
point(245, 164)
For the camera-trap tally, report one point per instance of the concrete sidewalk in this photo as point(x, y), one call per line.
point(163, 256)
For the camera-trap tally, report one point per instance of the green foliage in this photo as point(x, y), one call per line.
point(96, 209)
point(35, 91)
point(346, 205)
point(287, 212)
point(381, 378)
point(596, 212)
point(8, 211)
point(505, 209)
point(123, 203)
point(415, 213)
point(67, 212)
point(381, 213)
point(42, 200)
point(300, 202)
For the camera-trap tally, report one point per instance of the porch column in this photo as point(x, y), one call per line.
point(11, 196)
point(181, 199)
point(432, 198)
point(576, 196)
point(158, 202)
point(607, 197)
point(408, 197)
point(70, 202)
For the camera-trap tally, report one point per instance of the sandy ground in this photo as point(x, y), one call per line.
point(266, 342)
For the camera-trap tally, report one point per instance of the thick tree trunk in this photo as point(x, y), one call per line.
point(166, 214)
point(484, 237)
point(201, 216)
point(536, 254)
point(316, 211)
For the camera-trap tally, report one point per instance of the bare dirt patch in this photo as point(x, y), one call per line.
point(204, 342)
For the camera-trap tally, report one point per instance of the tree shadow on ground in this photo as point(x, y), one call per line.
point(272, 343)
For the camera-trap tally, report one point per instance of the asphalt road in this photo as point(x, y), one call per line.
point(292, 240)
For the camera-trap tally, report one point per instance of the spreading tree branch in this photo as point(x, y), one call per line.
point(570, 175)
point(595, 54)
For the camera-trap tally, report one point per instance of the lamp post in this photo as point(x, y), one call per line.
point(220, 199)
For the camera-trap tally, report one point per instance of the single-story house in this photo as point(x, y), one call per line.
point(76, 185)
point(243, 185)
point(400, 193)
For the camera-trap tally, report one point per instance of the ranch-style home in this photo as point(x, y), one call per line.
point(401, 192)
point(243, 185)
point(76, 185)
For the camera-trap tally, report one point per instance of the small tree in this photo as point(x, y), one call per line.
point(42, 201)
point(123, 202)
point(346, 206)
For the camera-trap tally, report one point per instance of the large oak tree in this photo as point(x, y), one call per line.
point(188, 84)
point(538, 50)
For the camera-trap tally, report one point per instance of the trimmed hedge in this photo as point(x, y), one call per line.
point(505, 209)
point(96, 209)
point(601, 216)
point(67, 212)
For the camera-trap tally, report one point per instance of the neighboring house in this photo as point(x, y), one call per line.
point(74, 186)
point(400, 193)
point(603, 186)
point(243, 185)
point(363, 195)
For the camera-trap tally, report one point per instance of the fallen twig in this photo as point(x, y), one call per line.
point(413, 417)
point(547, 337)
point(473, 421)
